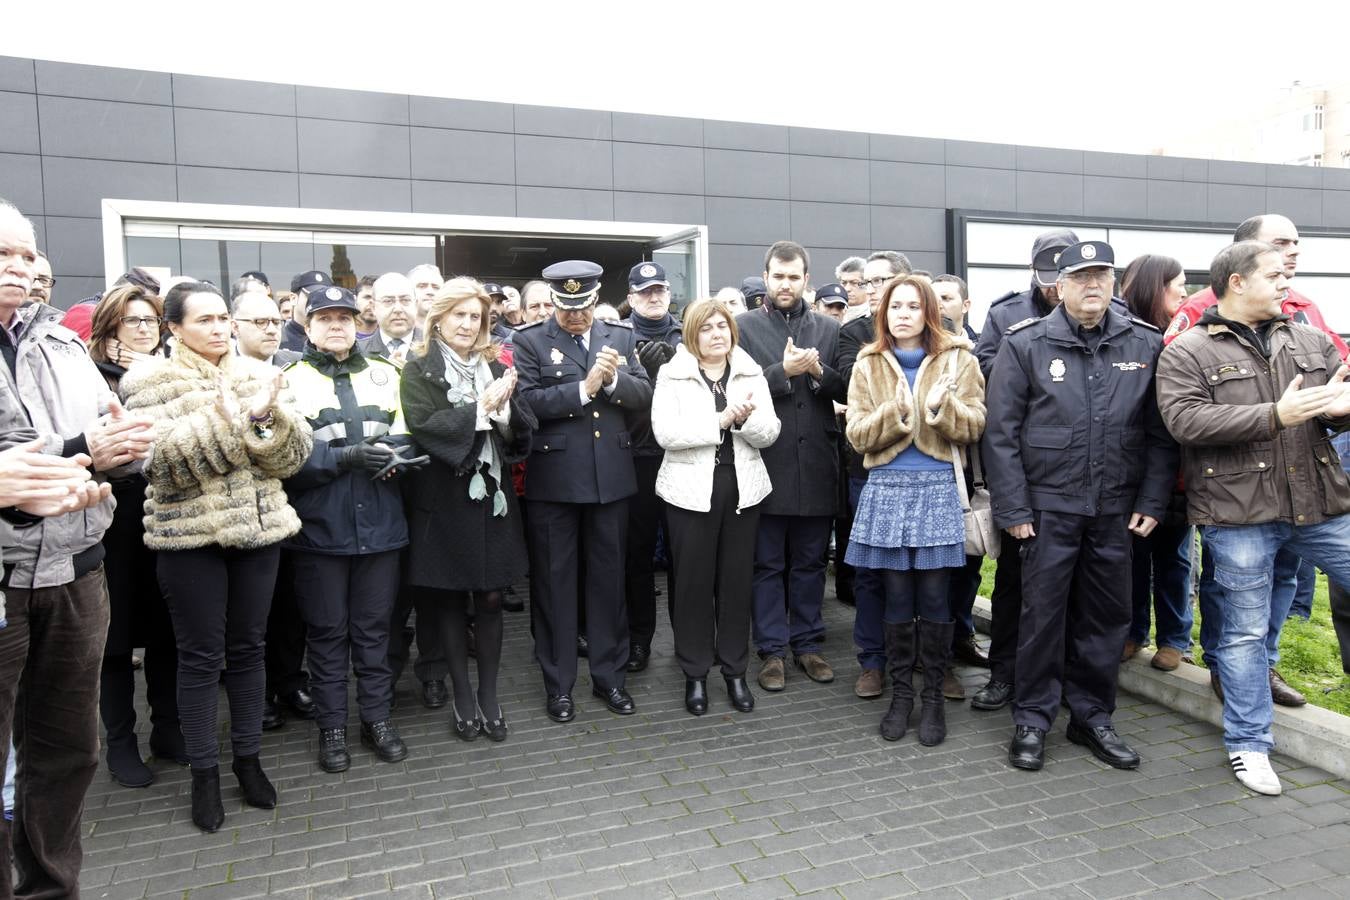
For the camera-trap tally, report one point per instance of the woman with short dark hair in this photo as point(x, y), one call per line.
point(225, 436)
point(1154, 288)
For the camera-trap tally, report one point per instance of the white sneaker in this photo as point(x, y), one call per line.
point(1254, 771)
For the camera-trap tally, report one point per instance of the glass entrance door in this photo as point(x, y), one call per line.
point(684, 255)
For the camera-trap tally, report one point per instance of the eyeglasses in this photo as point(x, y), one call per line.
point(1087, 276)
point(875, 283)
point(395, 301)
point(264, 322)
point(141, 321)
point(852, 284)
point(45, 280)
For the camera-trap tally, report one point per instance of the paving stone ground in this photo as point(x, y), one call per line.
point(799, 798)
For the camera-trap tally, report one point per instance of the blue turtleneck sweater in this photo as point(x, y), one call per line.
point(912, 458)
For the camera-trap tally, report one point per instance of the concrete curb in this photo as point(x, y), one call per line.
point(1312, 735)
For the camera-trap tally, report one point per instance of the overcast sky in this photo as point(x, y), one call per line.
point(1103, 76)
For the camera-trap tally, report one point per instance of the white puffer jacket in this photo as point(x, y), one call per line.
point(685, 422)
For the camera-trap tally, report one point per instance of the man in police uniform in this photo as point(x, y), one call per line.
point(1078, 460)
point(1006, 599)
point(580, 375)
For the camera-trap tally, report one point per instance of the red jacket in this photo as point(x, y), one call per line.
point(1296, 306)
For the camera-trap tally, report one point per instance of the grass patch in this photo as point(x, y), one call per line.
point(1309, 657)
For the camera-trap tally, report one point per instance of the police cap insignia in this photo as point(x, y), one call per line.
point(571, 285)
point(333, 293)
point(647, 271)
point(1089, 252)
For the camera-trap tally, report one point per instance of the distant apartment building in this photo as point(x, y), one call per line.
point(1304, 125)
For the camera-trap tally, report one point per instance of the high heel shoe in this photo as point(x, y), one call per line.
point(494, 729)
point(258, 791)
point(696, 695)
point(207, 812)
point(738, 692)
point(465, 731)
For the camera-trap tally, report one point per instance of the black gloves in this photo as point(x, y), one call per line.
point(653, 355)
point(366, 456)
point(397, 463)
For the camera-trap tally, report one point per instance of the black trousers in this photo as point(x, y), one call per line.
point(1076, 608)
point(346, 602)
point(1005, 613)
point(219, 599)
point(285, 640)
point(713, 554)
point(646, 514)
point(50, 654)
point(430, 664)
point(561, 534)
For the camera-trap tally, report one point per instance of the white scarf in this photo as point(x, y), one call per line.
point(468, 380)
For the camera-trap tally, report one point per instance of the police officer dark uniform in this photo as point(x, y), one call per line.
point(1006, 598)
point(580, 376)
point(657, 334)
point(1078, 459)
point(346, 555)
point(293, 332)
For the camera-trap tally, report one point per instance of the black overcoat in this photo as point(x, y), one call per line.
point(457, 544)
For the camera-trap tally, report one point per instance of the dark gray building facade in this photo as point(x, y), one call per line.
point(73, 135)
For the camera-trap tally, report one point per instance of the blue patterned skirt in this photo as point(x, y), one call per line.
point(908, 519)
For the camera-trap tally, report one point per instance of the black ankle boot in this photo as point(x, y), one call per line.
point(696, 695)
point(333, 754)
point(257, 790)
point(738, 692)
point(900, 660)
point(124, 761)
point(935, 645)
point(207, 812)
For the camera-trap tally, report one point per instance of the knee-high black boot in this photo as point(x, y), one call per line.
point(900, 661)
point(935, 646)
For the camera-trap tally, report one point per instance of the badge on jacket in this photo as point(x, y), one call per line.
point(555, 356)
point(1057, 369)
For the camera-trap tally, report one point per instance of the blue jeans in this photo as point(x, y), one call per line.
point(1303, 591)
point(1284, 584)
point(1244, 562)
point(1162, 581)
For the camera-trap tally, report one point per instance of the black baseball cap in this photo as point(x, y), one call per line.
point(309, 280)
point(1045, 254)
point(832, 293)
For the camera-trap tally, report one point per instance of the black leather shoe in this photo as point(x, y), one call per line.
point(126, 765)
point(382, 737)
point(561, 708)
point(968, 653)
point(494, 729)
point(618, 701)
point(583, 647)
point(301, 703)
point(1027, 750)
point(253, 782)
point(434, 694)
point(738, 692)
point(272, 718)
point(1104, 743)
point(465, 730)
point(696, 695)
point(333, 755)
point(994, 695)
point(638, 657)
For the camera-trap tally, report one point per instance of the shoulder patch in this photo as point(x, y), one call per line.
point(1149, 325)
point(1007, 296)
point(1018, 326)
point(1179, 324)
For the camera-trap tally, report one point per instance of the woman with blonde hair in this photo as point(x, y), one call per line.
point(712, 413)
point(127, 327)
point(461, 408)
point(915, 403)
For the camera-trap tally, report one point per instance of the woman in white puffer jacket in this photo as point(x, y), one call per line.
point(712, 413)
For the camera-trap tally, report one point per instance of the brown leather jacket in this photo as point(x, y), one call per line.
point(1217, 394)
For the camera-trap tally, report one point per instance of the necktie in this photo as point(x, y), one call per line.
point(580, 343)
point(396, 350)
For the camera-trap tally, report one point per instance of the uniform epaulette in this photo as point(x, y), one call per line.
point(1007, 296)
point(531, 325)
point(1149, 325)
point(291, 365)
point(1018, 326)
point(623, 323)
